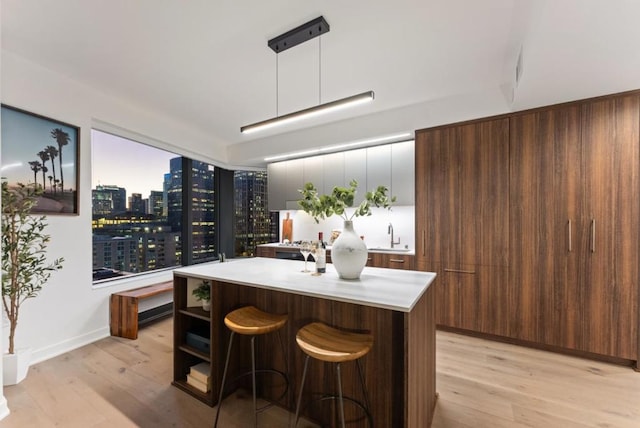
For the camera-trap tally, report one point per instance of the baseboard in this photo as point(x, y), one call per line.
point(549, 348)
point(4, 408)
point(43, 354)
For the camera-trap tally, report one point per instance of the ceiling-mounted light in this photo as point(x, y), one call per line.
point(285, 41)
point(393, 138)
point(309, 112)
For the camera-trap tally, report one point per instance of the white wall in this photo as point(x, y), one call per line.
point(373, 228)
point(70, 312)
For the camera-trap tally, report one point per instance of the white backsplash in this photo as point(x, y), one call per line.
point(374, 227)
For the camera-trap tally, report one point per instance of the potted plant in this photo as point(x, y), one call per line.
point(348, 252)
point(25, 268)
point(203, 293)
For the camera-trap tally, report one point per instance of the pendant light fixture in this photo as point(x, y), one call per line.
point(288, 40)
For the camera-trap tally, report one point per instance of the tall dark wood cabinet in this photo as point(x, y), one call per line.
point(462, 205)
point(610, 220)
point(574, 226)
point(545, 195)
point(532, 222)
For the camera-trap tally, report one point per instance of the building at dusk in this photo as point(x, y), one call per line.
point(253, 221)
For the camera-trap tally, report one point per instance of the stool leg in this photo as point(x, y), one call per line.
point(341, 403)
point(224, 378)
point(304, 376)
point(253, 377)
point(364, 392)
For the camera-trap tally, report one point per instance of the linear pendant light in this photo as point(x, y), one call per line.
point(309, 112)
point(301, 34)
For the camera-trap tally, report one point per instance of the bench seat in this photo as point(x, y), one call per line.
point(124, 313)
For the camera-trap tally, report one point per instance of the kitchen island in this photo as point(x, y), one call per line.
point(396, 307)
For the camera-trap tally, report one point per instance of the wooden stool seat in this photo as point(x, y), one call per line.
point(331, 345)
point(326, 343)
point(250, 320)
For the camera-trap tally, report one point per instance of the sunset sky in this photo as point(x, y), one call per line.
point(23, 136)
point(136, 167)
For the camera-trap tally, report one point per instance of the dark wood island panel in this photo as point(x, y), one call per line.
point(399, 371)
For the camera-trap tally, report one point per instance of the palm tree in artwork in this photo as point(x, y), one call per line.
point(62, 138)
point(50, 177)
point(53, 153)
point(35, 167)
point(44, 157)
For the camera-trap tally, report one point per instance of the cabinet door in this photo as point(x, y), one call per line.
point(482, 209)
point(436, 186)
point(295, 176)
point(355, 168)
point(378, 167)
point(393, 261)
point(277, 176)
point(333, 167)
point(313, 172)
point(610, 281)
point(471, 297)
point(544, 227)
point(402, 173)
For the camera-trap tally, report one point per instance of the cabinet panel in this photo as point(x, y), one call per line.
point(277, 176)
point(333, 170)
point(403, 173)
point(462, 194)
point(436, 197)
point(295, 176)
point(472, 297)
point(313, 171)
point(483, 192)
point(355, 168)
point(610, 160)
point(393, 261)
point(545, 234)
point(378, 167)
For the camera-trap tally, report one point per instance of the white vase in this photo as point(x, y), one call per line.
point(206, 305)
point(15, 366)
point(349, 253)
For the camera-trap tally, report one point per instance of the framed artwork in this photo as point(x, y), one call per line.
point(44, 151)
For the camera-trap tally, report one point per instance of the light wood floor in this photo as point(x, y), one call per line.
point(123, 383)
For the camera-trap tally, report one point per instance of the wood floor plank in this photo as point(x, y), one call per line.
point(118, 382)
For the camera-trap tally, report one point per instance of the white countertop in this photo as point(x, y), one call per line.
point(393, 289)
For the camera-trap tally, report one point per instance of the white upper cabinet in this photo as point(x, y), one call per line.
point(378, 167)
point(390, 165)
point(295, 180)
point(333, 170)
point(403, 172)
point(277, 178)
point(313, 172)
point(355, 168)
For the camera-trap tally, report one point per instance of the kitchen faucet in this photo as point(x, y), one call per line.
point(390, 232)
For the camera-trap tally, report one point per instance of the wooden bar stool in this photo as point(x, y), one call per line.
point(251, 321)
point(328, 344)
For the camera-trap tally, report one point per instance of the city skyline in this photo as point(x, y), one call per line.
point(117, 161)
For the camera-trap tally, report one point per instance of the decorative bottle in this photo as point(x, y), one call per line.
point(321, 255)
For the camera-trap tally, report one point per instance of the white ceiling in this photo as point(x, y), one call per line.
point(206, 63)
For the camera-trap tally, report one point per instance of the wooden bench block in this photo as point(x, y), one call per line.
point(123, 308)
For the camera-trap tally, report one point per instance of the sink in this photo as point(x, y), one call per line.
point(389, 249)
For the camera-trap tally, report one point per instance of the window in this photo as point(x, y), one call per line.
point(138, 195)
point(148, 214)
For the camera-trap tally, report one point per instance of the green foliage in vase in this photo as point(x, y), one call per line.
point(24, 263)
point(341, 198)
point(202, 292)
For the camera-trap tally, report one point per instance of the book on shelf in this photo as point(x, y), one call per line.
point(197, 384)
point(201, 372)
